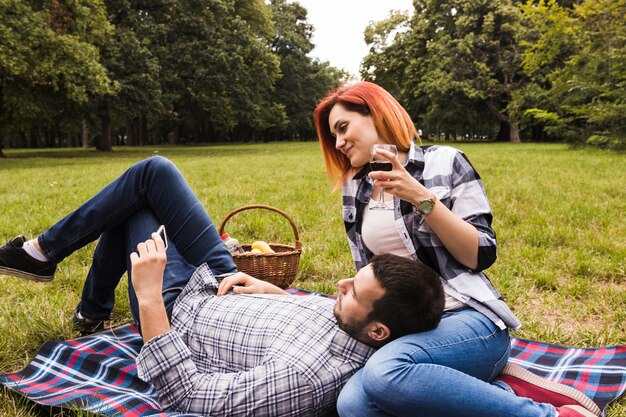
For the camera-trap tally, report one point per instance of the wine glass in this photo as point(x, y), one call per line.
point(379, 162)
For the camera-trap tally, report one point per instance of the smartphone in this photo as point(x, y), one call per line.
point(161, 232)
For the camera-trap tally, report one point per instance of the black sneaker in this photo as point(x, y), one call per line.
point(16, 262)
point(86, 326)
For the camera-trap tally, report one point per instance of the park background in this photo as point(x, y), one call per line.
point(226, 88)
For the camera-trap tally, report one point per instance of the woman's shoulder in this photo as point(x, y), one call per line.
point(441, 157)
point(440, 151)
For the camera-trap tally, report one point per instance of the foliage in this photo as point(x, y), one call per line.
point(577, 57)
point(542, 68)
point(457, 60)
point(115, 72)
point(387, 59)
point(137, 72)
point(303, 81)
point(49, 60)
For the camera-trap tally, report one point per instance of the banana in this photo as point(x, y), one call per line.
point(262, 246)
point(255, 250)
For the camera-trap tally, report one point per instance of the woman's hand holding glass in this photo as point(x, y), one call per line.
point(379, 161)
point(398, 181)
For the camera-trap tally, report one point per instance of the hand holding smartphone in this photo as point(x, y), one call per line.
point(163, 234)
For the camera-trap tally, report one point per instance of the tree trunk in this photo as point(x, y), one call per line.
point(84, 134)
point(173, 138)
point(103, 143)
point(512, 123)
point(514, 127)
point(504, 133)
point(143, 129)
point(131, 133)
point(34, 138)
point(6, 141)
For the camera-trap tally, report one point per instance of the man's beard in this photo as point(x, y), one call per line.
point(353, 328)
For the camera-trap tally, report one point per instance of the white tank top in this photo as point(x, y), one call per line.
point(380, 235)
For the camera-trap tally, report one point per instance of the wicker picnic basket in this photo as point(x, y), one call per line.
point(279, 268)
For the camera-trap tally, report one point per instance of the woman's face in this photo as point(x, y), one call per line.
point(354, 134)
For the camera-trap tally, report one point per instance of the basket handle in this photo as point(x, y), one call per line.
point(265, 207)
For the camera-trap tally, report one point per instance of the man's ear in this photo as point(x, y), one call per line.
point(378, 332)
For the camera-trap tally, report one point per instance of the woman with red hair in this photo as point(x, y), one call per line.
point(441, 217)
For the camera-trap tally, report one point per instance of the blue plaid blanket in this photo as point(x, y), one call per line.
point(98, 373)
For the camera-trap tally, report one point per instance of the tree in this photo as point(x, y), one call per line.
point(576, 57)
point(303, 81)
point(473, 54)
point(48, 62)
point(129, 60)
point(388, 60)
point(457, 63)
point(217, 70)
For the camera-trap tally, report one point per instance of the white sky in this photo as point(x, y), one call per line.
point(339, 26)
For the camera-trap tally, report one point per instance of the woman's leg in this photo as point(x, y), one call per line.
point(441, 373)
point(158, 185)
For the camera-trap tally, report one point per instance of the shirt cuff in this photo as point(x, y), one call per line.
point(160, 354)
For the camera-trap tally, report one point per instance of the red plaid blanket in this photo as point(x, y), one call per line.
point(98, 373)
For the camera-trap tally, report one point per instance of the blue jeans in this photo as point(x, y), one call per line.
point(126, 212)
point(446, 372)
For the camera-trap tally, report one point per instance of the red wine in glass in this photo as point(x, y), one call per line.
point(381, 165)
point(379, 162)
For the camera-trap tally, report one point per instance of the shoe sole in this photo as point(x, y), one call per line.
point(576, 395)
point(25, 275)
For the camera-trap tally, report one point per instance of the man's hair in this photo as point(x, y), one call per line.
point(414, 297)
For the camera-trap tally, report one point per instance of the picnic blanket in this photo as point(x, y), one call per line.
point(98, 374)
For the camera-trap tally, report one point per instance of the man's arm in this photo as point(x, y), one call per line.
point(148, 265)
point(245, 284)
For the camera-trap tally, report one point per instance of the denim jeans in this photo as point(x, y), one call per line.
point(126, 212)
point(446, 372)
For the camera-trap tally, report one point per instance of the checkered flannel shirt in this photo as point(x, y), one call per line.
point(448, 174)
point(252, 355)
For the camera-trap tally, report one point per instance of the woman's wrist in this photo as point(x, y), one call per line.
point(425, 206)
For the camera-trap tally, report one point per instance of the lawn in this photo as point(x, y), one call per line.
point(559, 215)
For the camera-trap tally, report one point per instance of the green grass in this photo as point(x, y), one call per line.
point(559, 215)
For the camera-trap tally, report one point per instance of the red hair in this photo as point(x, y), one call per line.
point(393, 123)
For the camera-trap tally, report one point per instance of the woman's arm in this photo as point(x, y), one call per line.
point(460, 237)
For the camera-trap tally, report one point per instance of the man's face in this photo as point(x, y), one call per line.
point(355, 302)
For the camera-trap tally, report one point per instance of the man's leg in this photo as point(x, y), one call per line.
point(154, 183)
point(178, 270)
point(439, 373)
point(107, 268)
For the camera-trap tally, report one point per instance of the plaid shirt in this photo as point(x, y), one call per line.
point(448, 174)
point(250, 355)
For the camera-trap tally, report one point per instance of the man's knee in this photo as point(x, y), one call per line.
point(159, 163)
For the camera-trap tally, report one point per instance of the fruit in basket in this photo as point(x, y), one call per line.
point(255, 251)
point(262, 246)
